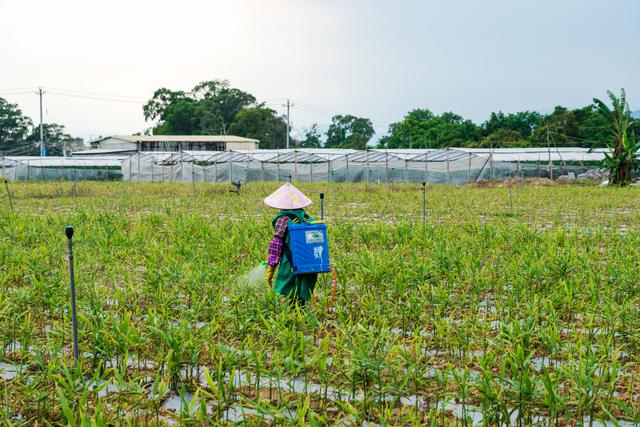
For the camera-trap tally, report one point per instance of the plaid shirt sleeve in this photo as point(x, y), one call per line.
point(275, 247)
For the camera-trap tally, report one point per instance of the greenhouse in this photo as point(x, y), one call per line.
point(447, 166)
point(433, 166)
point(106, 168)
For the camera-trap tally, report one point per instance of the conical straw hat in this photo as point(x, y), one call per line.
point(287, 197)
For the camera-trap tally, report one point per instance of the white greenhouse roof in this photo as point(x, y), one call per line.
point(319, 155)
point(533, 154)
point(50, 162)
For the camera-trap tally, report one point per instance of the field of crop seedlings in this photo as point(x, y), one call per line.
point(506, 305)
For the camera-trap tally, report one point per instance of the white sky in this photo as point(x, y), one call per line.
point(377, 59)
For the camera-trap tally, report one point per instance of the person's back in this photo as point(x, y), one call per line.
point(291, 203)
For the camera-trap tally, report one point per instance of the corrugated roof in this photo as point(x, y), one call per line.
point(184, 138)
point(101, 151)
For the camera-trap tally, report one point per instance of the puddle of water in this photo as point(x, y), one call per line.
point(488, 305)
point(587, 331)
point(353, 422)
point(239, 413)
point(409, 333)
point(435, 352)
point(608, 423)
point(185, 403)
point(474, 414)
point(9, 371)
point(132, 362)
point(174, 402)
point(107, 387)
point(599, 371)
point(460, 412)
point(398, 331)
point(539, 363)
point(16, 346)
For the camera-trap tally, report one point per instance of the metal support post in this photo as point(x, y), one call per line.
point(424, 202)
point(347, 169)
point(6, 185)
point(69, 233)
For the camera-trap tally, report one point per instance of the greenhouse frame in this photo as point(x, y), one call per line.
point(433, 166)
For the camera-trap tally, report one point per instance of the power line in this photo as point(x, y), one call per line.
point(332, 112)
point(97, 94)
point(15, 93)
point(575, 138)
point(19, 148)
point(374, 124)
point(97, 98)
point(30, 88)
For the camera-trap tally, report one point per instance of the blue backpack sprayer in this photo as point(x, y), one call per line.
point(310, 249)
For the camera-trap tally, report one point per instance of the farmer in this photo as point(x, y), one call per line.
point(291, 202)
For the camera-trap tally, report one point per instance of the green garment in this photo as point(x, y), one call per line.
point(287, 284)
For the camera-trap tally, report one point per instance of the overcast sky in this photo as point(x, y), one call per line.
point(372, 58)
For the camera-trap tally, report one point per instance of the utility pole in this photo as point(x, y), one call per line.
point(288, 105)
point(40, 93)
point(549, 152)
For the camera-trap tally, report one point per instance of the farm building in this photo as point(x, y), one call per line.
point(130, 144)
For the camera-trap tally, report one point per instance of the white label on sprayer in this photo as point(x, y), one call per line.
point(313, 237)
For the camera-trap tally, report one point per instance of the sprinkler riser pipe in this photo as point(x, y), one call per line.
point(74, 320)
point(6, 185)
point(424, 202)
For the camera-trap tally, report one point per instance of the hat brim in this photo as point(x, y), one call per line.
point(287, 197)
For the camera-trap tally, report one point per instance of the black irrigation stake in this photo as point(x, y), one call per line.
point(6, 185)
point(510, 195)
point(193, 181)
point(321, 206)
point(424, 202)
point(69, 232)
point(123, 204)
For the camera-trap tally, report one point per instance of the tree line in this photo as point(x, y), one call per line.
point(216, 108)
point(580, 127)
point(20, 137)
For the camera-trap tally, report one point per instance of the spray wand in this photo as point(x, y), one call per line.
point(334, 275)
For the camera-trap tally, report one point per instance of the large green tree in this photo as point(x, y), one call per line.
point(349, 132)
point(14, 129)
point(312, 138)
point(261, 123)
point(209, 108)
point(523, 123)
point(55, 139)
point(421, 128)
point(501, 138)
point(561, 127)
